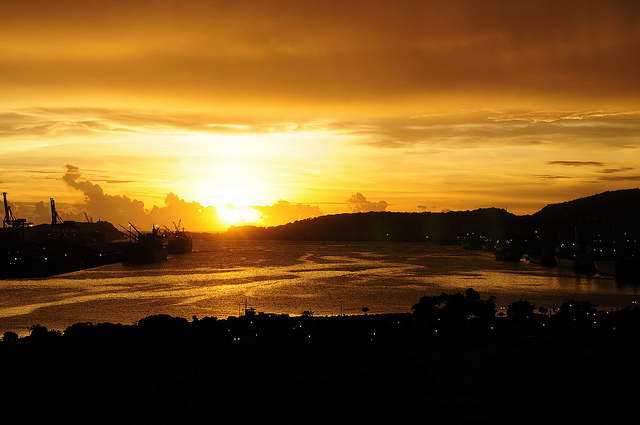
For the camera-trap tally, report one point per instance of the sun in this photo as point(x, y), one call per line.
point(233, 215)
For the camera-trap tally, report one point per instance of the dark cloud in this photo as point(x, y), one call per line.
point(577, 163)
point(616, 170)
point(326, 50)
point(42, 213)
point(620, 178)
point(358, 203)
point(427, 208)
point(550, 177)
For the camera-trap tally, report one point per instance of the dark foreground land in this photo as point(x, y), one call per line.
point(450, 361)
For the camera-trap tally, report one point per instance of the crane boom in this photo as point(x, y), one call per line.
point(55, 217)
point(10, 219)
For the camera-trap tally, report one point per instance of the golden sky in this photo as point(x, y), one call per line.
point(216, 111)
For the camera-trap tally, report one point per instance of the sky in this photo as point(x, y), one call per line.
point(215, 113)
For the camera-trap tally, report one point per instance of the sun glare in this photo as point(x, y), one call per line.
point(238, 215)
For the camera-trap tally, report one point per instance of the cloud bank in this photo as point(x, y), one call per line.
point(359, 203)
point(120, 209)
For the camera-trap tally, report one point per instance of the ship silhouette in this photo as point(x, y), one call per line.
point(143, 248)
point(179, 242)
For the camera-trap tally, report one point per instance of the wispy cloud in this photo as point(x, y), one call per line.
point(550, 177)
point(577, 163)
point(536, 116)
point(620, 178)
point(616, 170)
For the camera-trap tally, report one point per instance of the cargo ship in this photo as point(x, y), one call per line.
point(179, 242)
point(143, 248)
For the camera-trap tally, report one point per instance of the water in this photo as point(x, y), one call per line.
point(327, 278)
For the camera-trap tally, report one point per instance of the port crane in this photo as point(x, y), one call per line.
point(55, 217)
point(129, 233)
point(10, 219)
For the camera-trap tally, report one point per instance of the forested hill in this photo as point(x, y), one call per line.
point(618, 208)
point(391, 226)
point(609, 214)
point(619, 203)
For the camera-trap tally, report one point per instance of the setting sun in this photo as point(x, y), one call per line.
point(291, 109)
point(340, 169)
point(238, 215)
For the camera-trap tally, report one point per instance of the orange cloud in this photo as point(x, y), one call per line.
point(308, 53)
point(120, 210)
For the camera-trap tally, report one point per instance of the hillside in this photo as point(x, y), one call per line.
point(390, 226)
point(601, 213)
point(616, 204)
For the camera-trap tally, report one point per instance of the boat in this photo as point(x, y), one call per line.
point(508, 251)
point(179, 242)
point(472, 242)
point(606, 266)
point(144, 248)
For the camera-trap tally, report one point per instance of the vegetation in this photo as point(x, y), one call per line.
point(452, 358)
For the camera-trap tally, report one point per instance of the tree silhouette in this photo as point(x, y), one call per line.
point(9, 336)
point(455, 308)
point(520, 310)
point(576, 310)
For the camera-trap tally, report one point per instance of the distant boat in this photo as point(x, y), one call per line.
point(565, 262)
point(508, 251)
point(581, 264)
point(179, 242)
point(144, 248)
point(606, 266)
point(472, 242)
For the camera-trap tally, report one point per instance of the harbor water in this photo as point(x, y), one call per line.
point(221, 276)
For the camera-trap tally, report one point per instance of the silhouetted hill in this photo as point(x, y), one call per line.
point(609, 221)
point(616, 204)
point(604, 213)
point(390, 226)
